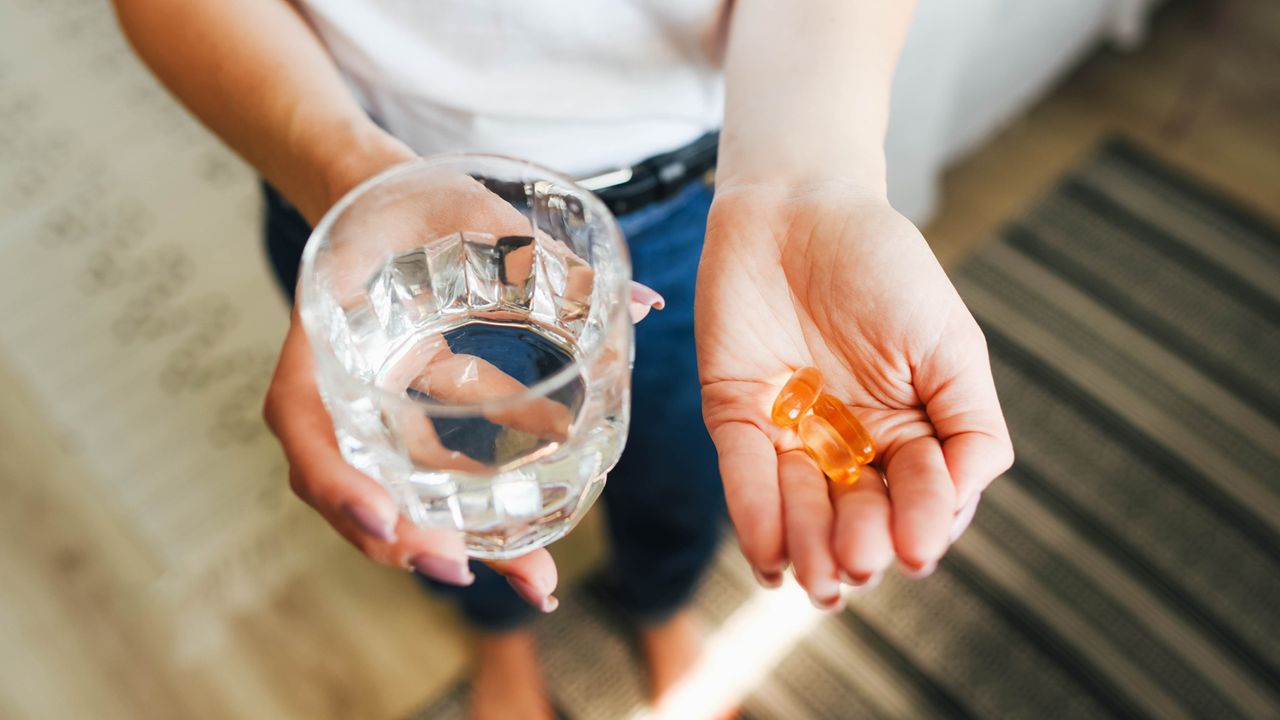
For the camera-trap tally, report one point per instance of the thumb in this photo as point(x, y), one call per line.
point(533, 576)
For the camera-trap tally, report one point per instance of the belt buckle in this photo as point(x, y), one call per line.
point(613, 178)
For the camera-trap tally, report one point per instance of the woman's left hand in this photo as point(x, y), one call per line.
point(831, 276)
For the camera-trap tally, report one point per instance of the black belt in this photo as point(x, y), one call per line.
point(653, 180)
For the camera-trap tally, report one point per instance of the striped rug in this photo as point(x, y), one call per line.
point(1127, 566)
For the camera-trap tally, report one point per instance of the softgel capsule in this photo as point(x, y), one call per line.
point(799, 394)
point(831, 434)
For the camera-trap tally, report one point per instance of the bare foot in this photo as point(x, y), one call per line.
point(508, 683)
point(671, 650)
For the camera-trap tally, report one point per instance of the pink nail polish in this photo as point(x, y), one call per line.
point(825, 592)
point(918, 572)
point(861, 582)
point(827, 603)
point(768, 581)
point(646, 295)
point(446, 570)
point(545, 603)
point(371, 521)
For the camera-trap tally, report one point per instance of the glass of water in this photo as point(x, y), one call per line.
point(469, 320)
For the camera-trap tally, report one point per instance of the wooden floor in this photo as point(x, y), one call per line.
point(1225, 130)
point(79, 632)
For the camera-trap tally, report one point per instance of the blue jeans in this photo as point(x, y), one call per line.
point(663, 502)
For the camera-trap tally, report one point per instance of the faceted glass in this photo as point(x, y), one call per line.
point(468, 315)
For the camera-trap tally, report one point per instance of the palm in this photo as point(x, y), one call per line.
point(850, 287)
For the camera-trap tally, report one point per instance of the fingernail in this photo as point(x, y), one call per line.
point(768, 581)
point(546, 603)
point(638, 312)
point(962, 520)
point(917, 572)
point(862, 582)
point(646, 295)
point(825, 594)
point(826, 588)
point(446, 570)
point(835, 602)
point(372, 522)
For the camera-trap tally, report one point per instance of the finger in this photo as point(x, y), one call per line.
point(638, 312)
point(923, 501)
point(863, 541)
point(416, 432)
point(435, 371)
point(575, 297)
point(469, 380)
point(808, 517)
point(974, 460)
point(644, 299)
point(963, 518)
point(437, 553)
point(320, 476)
point(349, 506)
point(340, 494)
point(533, 576)
point(749, 468)
point(960, 399)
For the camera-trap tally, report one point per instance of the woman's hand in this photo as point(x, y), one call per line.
point(353, 503)
point(831, 276)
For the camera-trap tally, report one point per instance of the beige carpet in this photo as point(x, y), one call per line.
point(138, 312)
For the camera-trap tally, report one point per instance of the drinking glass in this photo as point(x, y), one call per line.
point(469, 320)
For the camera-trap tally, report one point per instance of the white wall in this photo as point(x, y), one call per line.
point(970, 66)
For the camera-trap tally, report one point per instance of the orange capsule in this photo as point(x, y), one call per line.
point(854, 434)
point(797, 396)
point(829, 450)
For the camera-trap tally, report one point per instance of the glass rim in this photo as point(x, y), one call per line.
point(307, 291)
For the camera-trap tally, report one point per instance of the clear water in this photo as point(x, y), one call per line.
point(524, 352)
point(471, 318)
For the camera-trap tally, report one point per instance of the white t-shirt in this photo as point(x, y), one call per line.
point(582, 86)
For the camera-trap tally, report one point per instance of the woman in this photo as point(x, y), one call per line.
point(799, 261)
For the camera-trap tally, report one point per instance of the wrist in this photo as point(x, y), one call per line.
point(351, 156)
point(790, 207)
point(367, 152)
point(777, 188)
point(848, 172)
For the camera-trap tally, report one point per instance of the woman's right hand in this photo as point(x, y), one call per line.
point(352, 502)
point(357, 506)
